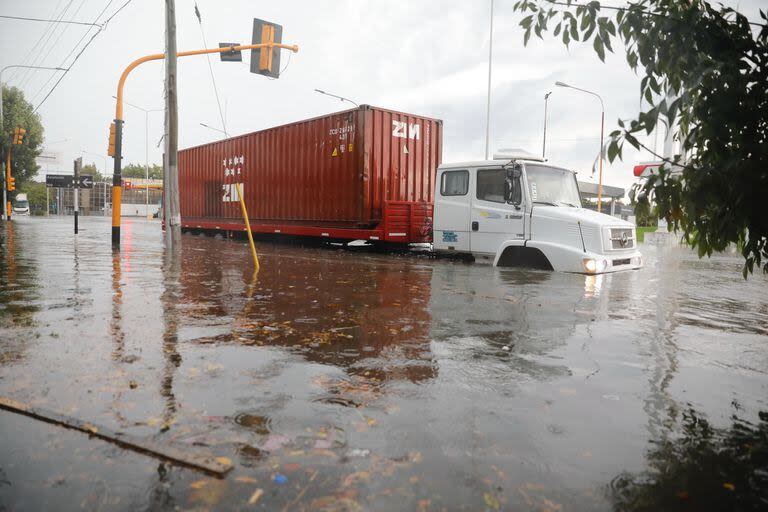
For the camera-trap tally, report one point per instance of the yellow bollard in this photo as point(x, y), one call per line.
point(247, 226)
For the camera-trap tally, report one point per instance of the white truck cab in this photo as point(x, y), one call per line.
point(521, 211)
point(21, 205)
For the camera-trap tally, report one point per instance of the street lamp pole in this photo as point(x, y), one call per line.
point(342, 98)
point(146, 148)
point(602, 135)
point(488, 101)
point(5, 182)
point(215, 129)
point(544, 144)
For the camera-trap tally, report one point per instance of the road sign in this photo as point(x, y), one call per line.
point(86, 181)
point(231, 56)
point(263, 61)
point(58, 180)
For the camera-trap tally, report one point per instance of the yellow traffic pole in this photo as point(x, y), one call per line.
point(116, 149)
point(247, 226)
point(8, 185)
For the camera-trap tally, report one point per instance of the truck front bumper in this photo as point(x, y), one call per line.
point(602, 263)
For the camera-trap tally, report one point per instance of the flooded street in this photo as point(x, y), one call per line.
point(350, 380)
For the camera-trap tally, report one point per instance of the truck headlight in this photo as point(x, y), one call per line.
point(592, 266)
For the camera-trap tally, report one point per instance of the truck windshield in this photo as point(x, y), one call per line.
point(548, 185)
point(22, 204)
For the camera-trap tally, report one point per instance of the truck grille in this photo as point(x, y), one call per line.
point(622, 238)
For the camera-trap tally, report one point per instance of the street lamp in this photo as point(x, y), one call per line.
point(215, 129)
point(544, 144)
point(488, 101)
point(342, 98)
point(602, 132)
point(146, 149)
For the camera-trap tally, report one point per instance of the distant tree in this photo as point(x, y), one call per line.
point(704, 68)
point(18, 112)
point(91, 169)
point(139, 171)
point(35, 194)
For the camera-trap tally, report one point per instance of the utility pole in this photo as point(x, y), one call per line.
point(76, 184)
point(171, 212)
point(544, 144)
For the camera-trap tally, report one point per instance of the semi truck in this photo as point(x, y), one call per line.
point(376, 175)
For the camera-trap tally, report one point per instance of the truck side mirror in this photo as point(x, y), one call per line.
point(513, 189)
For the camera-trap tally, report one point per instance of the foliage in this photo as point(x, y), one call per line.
point(707, 468)
point(93, 171)
point(705, 70)
point(645, 213)
point(35, 194)
point(139, 171)
point(642, 231)
point(18, 112)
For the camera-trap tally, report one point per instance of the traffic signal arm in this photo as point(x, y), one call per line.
point(160, 56)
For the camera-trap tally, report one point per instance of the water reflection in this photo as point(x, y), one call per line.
point(371, 319)
point(116, 324)
point(514, 316)
point(701, 467)
point(171, 356)
point(17, 280)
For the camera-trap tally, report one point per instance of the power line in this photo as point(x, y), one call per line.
point(68, 22)
point(44, 39)
point(102, 27)
point(31, 50)
point(55, 45)
point(210, 68)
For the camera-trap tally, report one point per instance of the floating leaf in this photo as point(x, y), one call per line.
point(491, 501)
point(256, 496)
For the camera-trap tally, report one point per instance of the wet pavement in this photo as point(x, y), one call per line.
point(349, 380)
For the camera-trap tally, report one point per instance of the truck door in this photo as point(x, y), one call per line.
point(452, 204)
point(493, 220)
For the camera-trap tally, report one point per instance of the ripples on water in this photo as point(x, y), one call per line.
point(366, 380)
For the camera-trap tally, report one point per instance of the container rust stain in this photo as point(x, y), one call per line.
point(362, 173)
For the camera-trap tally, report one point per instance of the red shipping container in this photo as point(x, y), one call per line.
point(366, 173)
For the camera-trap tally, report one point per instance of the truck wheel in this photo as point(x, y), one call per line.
point(524, 257)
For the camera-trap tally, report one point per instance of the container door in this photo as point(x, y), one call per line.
point(452, 205)
point(493, 221)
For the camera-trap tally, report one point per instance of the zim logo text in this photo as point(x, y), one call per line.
point(406, 131)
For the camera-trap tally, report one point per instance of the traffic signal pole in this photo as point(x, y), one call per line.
point(6, 188)
point(118, 139)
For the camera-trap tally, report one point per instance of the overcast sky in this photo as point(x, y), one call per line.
point(425, 57)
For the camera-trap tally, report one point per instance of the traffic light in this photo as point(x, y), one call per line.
point(111, 147)
point(11, 184)
point(18, 135)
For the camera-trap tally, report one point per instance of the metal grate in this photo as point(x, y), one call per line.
point(622, 238)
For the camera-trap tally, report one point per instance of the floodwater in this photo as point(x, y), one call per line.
point(349, 380)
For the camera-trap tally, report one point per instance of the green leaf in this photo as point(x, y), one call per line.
point(632, 60)
point(598, 46)
point(613, 150)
